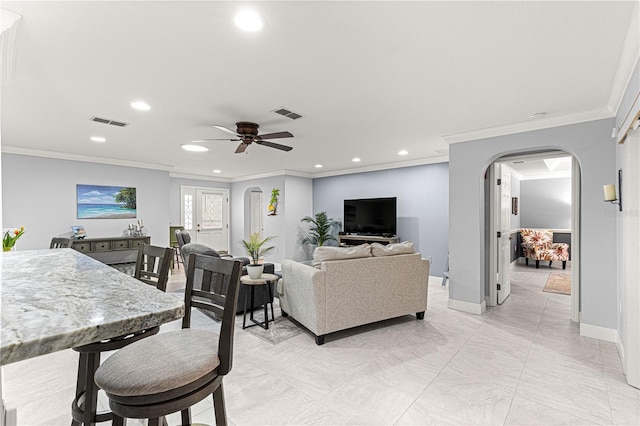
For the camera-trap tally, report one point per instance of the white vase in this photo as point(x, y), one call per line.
point(255, 271)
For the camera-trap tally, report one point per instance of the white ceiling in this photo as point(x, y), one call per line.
point(369, 78)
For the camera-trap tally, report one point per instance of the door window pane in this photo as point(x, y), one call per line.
point(211, 211)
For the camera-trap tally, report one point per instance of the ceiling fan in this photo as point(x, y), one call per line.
point(247, 133)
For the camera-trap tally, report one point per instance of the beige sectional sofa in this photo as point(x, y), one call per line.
point(348, 287)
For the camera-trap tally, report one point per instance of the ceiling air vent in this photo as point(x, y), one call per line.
point(109, 121)
point(287, 113)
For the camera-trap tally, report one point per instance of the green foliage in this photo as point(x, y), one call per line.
point(275, 193)
point(126, 196)
point(255, 246)
point(321, 229)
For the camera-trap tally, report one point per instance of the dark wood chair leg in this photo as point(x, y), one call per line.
point(82, 378)
point(420, 315)
point(319, 340)
point(550, 262)
point(154, 422)
point(537, 264)
point(284, 314)
point(186, 416)
point(90, 405)
point(219, 407)
point(526, 261)
point(564, 264)
point(119, 421)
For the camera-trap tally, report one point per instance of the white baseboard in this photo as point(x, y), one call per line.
point(600, 333)
point(471, 308)
point(435, 280)
point(620, 347)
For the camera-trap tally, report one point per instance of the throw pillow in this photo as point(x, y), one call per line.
point(405, 247)
point(324, 253)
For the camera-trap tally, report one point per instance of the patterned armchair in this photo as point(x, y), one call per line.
point(537, 244)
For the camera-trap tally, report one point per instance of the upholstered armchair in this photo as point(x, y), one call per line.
point(537, 244)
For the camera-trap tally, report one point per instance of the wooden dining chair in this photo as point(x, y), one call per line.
point(152, 267)
point(191, 363)
point(59, 242)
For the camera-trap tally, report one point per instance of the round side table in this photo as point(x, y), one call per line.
point(265, 279)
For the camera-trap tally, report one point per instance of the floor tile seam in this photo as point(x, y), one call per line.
point(570, 413)
point(570, 410)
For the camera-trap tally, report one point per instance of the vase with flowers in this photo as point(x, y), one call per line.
point(10, 237)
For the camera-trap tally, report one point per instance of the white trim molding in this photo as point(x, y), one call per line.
point(468, 307)
point(385, 166)
point(600, 333)
point(527, 126)
point(626, 64)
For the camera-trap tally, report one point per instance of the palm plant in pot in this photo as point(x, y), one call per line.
point(321, 229)
point(255, 247)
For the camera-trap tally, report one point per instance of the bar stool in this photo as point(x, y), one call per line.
point(152, 267)
point(193, 362)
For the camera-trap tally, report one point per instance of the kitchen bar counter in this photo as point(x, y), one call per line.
point(59, 299)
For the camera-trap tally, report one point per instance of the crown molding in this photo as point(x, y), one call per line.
point(179, 175)
point(272, 174)
point(628, 60)
point(385, 166)
point(8, 149)
point(545, 123)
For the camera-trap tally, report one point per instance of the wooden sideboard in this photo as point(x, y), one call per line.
point(355, 240)
point(111, 250)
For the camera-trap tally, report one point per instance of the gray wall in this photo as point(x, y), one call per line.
point(293, 204)
point(423, 203)
point(40, 194)
point(545, 203)
point(591, 144)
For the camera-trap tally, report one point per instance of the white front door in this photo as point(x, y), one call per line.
point(504, 228)
point(211, 218)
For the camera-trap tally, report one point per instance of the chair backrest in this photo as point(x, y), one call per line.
point(59, 242)
point(183, 237)
point(153, 264)
point(215, 290)
point(173, 240)
point(537, 237)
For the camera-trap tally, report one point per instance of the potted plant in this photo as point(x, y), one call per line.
point(321, 229)
point(273, 203)
point(10, 237)
point(256, 248)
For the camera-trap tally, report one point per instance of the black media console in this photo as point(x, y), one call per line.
point(355, 240)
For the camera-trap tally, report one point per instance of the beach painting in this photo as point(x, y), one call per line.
point(106, 202)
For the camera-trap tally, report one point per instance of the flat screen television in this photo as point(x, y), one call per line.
point(370, 216)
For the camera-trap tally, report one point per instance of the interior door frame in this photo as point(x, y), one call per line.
point(193, 190)
point(495, 259)
point(575, 227)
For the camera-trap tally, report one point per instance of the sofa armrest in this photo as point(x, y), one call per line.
point(303, 295)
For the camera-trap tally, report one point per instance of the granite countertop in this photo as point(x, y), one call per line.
point(58, 299)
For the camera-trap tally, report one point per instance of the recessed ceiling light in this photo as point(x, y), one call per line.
point(356, 159)
point(403, 152)
point(194, 148)
point(98, 139)
point(142, 106)
point(248, 20)
point(537, 115)
point(217, 171)
point(318, 166)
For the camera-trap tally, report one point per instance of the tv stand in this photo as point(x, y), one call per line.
point(355, 240)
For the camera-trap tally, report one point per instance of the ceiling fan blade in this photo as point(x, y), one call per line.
point(224, 129)
point(213, 139)
point(276, 135)
point(274, 145)
point(241, 148)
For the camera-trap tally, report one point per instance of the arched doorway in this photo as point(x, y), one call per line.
point(253, 217)
point(502, 202)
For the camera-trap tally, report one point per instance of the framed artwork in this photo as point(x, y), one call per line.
point(78, 231)
point(106, 202)
point(514, 206)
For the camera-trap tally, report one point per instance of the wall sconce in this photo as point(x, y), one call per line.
point(610, 192)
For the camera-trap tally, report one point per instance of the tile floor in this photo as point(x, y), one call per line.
point(522, 363)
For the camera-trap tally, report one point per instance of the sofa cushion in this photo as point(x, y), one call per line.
point(325, 253)
point(378, 250)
